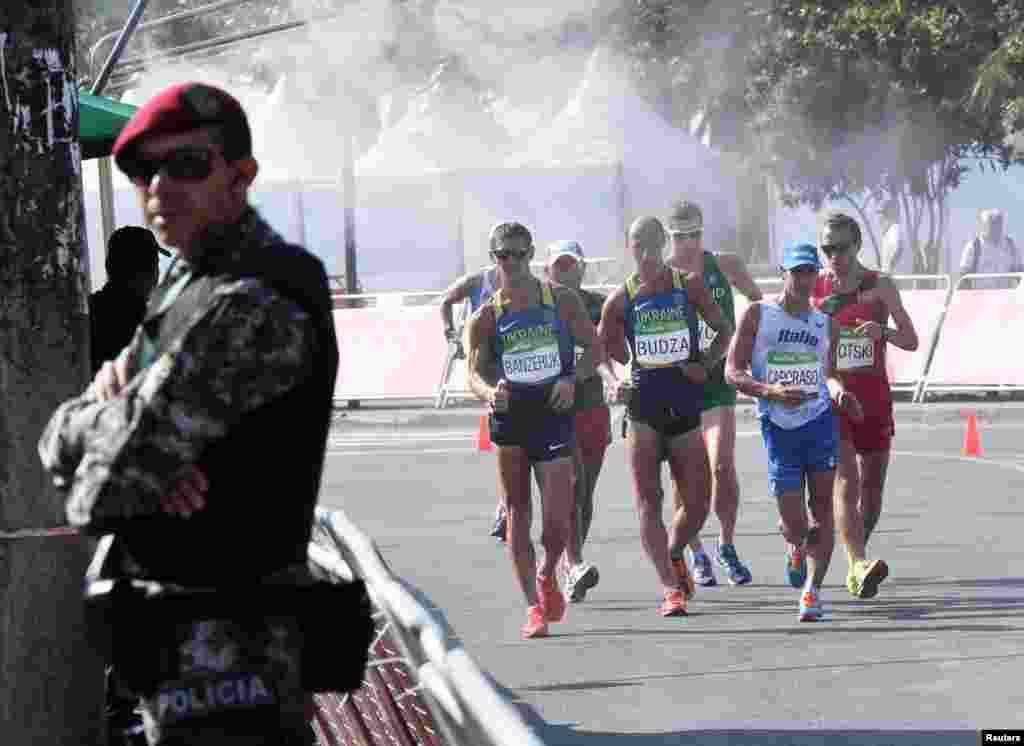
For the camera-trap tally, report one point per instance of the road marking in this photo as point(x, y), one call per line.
point(401, 452)
point(981, 460)
point(349, 448)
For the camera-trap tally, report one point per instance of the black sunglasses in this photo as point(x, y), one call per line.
point(506, 253)
point(688, 235)
point(184, 164)
point(831, 249)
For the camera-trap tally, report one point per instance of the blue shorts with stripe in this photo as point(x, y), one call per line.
point(792, 454)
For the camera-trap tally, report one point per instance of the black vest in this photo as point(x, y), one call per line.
point(265, 474)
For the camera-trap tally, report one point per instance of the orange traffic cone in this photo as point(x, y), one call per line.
point(484, 440)
point(972, 440)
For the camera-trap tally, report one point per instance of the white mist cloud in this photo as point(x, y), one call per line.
point(519, 87)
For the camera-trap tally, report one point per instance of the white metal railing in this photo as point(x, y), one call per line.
point(994, 277)
point(928, 385)
point(453, 387)
point(464, 707)
point(386, 300)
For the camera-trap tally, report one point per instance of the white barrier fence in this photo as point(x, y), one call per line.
point(422, 688)
point(427, 368)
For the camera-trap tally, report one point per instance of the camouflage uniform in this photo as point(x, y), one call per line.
point(232, 371)
point(118, 458)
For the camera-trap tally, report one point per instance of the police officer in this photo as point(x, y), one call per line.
point(201, 445)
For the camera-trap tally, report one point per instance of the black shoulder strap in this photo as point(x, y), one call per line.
point(163, 328)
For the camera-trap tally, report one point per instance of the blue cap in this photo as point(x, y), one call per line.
point(564, 248)
point(800, 254)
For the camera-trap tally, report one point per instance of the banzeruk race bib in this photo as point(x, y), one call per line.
point(531, 355)
point(662, 337)
point(854, 351)
point(802, 369)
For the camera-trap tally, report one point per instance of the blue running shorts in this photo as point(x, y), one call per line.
point(792, 454)
point(531, 424)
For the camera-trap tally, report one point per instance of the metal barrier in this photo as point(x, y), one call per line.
point(977, 350)
point(928, 299)
point(926, 303)
point(388, 345)
point(386, 300)
point(421, 687)
point(455, 363)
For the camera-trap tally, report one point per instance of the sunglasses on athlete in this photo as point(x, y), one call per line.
point(832, 249)
point(506, 254)
point(191, 163)
point(687, 235)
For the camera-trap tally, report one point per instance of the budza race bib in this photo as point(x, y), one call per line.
point(662, 337)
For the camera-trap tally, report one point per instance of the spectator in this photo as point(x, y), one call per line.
point(894, 247)
point(117, 309)
point(991, 252)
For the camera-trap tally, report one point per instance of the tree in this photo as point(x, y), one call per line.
point(52, 688)
point(98, 18)
point(690, 62)
point(870, 101)
point(859, 102)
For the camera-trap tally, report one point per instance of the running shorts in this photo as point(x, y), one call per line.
point(667, 424)
point(875, 431)
point(545, 434)
point(792, 454)
point(593, 432)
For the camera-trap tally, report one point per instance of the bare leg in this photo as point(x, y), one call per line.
point(819, 551)
point(720, 436)
point(557, 504)
point(592, 470)
point(688, 461)
point(574, 548)
point(847, 501)
point(514, 471)
point(644, 446)
point(592, 460)
point(793, 515)
point(874, 467)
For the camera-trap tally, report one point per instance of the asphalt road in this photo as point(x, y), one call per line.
point(938, 655)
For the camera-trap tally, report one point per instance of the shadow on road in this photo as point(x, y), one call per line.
point(565, 734)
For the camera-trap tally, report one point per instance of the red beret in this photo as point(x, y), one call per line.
point(185, 107)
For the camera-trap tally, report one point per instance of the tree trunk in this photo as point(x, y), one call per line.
point(52, 684)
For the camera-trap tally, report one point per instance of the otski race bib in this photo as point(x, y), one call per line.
point(854, 351)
